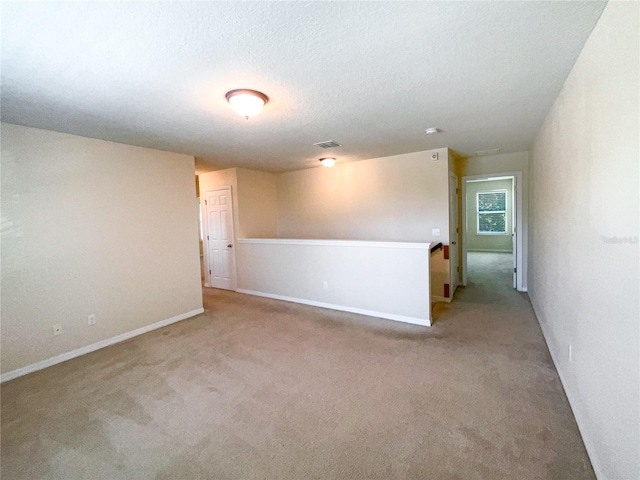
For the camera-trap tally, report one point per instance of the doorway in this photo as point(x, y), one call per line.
point(220, 269)
point(491, 224)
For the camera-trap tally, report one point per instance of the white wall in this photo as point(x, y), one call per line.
point(399, 198)
point(584, 172)
point(482, 242)
point(373, 278)
point(91, 227)
point(507, 163)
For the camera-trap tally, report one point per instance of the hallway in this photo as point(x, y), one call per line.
point(490, 280)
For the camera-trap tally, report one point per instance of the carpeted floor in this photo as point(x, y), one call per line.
point(264, 389)
point(490, 280)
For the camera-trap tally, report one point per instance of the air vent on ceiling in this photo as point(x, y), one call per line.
point(327, 144)
point(482, 153)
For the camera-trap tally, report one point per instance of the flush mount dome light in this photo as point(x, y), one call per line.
point(328, 162)
point(247, 103)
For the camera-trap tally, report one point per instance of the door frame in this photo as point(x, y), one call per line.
point(454, 275)
point(517, 177)
point(205, 225)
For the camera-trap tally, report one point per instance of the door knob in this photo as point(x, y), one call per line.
point(229, 246)
point(453, 243)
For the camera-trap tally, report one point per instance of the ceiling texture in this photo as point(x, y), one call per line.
point(370, 75)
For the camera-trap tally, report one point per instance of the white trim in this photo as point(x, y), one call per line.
point(588, 444)
point(389, 316)
point(335, 243)
point(34, 367)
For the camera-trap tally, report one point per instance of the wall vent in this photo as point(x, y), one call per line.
point(482, 153)
point(327, 144)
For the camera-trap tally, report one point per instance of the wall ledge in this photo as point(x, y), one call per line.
point(341, 243)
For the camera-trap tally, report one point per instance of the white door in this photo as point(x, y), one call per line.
point(453, 233)
point(221, 265)
point(514, 231)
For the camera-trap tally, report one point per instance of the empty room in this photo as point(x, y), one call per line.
point(337, 240)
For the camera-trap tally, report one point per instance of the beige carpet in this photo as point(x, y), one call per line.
point(263, 389)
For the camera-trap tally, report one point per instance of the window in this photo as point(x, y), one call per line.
point(492, 212)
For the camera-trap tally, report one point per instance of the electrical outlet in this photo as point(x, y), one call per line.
point(57, 329)
point(435, 232)
point(325, 285)
point(91, 319)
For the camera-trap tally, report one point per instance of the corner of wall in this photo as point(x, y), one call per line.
point(457, 164)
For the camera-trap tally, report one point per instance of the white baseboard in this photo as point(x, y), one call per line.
point(389, 316)
point(588, 444)
point(34, 367)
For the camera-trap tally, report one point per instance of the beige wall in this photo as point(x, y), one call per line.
point(488, 243)
point(219, 178)
point(91, 227)
point(504, 162)
point(584, 278)
point(399, 198)
point(257, 203)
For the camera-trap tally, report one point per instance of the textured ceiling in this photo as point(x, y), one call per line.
point(369, 75)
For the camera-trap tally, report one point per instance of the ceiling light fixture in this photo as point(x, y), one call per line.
point(328, 162)
point(431, 130)
point(247, 103)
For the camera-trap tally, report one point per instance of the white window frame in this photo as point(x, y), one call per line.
point(478, 213)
